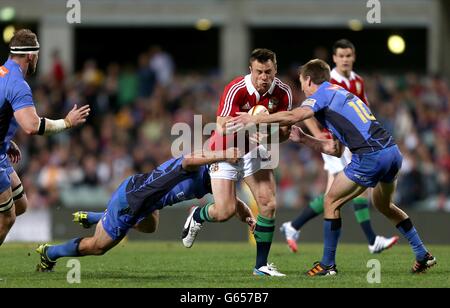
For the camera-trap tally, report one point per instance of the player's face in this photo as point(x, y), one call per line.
point(32, 65)
point(263, 75)
point(306, 87)
point(344, 59)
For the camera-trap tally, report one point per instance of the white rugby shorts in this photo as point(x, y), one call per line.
point(252, 162)
point(334, 164)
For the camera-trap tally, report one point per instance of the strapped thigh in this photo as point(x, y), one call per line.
point(17, 192)
point(4, 207)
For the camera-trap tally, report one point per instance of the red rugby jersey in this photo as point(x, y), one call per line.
point(240, 96)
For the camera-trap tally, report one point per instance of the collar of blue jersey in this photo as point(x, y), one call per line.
point(24, 49)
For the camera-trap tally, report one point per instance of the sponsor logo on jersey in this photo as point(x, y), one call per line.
point(358, 87)
point(309, 102)
point(246, 106)
point(3, 71)
point(334, 87)
point(272, 105)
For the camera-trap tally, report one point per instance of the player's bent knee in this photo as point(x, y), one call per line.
point(226, 213)
point(268, 203)
point(222, 211)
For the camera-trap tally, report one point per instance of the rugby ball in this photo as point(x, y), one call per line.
point(258, 109)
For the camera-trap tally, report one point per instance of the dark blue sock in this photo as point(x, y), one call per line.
point(410, 233)
point(197, 216)
point(331, 233)
point(306, 215)
point(368, 231)
point(94, 217)
point(263, 236)
point(68, 249)
point(314, 208)
point(262, 252)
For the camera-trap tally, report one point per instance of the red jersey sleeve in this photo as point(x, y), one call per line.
point(286, 97)
point(229, 101)
point(362, 94)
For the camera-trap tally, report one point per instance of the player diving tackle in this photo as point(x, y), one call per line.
point(136, 202)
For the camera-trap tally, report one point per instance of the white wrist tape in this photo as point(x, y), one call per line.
point(48, 127)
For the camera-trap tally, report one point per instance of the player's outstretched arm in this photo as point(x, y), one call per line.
point(284, 118)
point(198, 158)
point(33, 125)
point(327, 146)
point(313, 127)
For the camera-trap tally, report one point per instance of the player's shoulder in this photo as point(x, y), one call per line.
point(237, 85)
point(284, 87)
point(236, 81)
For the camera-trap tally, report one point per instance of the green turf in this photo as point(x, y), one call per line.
point(168, 264)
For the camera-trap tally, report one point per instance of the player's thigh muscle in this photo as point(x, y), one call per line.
point(343, 190)
point(262, 184)
point(224, 192)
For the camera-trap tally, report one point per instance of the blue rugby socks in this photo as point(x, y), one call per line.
point(68, 249)
point(331, 233)
point(410, 233)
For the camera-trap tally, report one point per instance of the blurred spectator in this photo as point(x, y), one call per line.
point(162, 64)
point(146, 76)
point(128, 86)
point(57, 68)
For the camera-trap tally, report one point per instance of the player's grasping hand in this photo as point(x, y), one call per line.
point(14, 153)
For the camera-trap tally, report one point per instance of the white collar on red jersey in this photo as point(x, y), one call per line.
point(251, 88)
point(339, 78)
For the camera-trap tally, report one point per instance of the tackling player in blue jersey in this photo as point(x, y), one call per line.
point(136, 202)
point(17, 109)
point(375, 162)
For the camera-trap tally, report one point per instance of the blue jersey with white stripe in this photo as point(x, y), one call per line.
point(168, 184)
point(15, 94)
point(348, 118)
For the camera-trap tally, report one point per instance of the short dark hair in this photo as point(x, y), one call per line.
point(318, 70)
point(23, 37)
point(263, 55)
point(343, 43)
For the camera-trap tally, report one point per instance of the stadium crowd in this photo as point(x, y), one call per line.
point(133, 108)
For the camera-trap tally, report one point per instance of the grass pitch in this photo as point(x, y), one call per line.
point(219, 265)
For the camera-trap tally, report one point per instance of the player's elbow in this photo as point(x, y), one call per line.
point(188, 162)
point(31, 129)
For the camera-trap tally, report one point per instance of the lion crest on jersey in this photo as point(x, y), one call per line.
point(272, 105)
point(358, 87)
